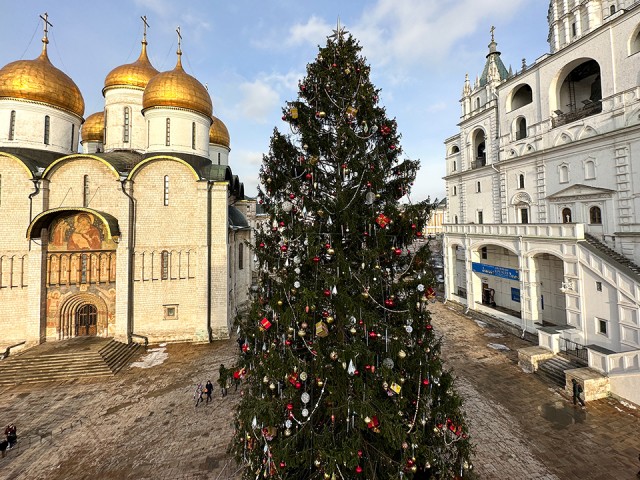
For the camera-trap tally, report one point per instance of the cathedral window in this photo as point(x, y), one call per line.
point(595, 216)
point(73, 134)
point(240, 256)
point(521, 128)
point(477, 103)
point(193, 135)
point(166, 190)
point(455, 190)
point(47, 125)
point(12, 125)
point(219, 158)
point(168, 141)
point(164, 259)
point(564, 174)
point(589, 170)
point(521, 181)
point(125, 132)
point(455, 219)
point(455, 167)
point(85, 191)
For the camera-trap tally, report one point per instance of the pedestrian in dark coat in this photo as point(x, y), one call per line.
point(3, 447)
point(12, 435)
point(208, 389)
point(577, 390)
point(223, 379)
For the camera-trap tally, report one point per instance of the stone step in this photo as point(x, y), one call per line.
point(553, 369)
point(95, 358)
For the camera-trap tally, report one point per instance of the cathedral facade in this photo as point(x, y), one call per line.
point(543, 219)
point(141, 235)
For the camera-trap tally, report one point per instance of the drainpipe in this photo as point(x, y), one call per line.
point(209, 329)
point(130, 254)
point(36, 186)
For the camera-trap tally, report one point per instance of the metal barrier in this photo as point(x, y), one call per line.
point(576, 350)
point(8, 350)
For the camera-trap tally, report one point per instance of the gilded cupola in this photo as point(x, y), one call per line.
point(218, 133)
point(132, 75)
point(177, 89)
point(93, 128)
point(39, 81)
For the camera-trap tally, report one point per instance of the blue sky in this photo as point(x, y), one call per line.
point(252, 53)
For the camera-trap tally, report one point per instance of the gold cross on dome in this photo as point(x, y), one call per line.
point(146, 25)
point(47, 24)
point(179, 39)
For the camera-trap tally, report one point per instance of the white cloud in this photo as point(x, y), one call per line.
point(313, 32)
point(437, 107)
point(259, 100)
point(415, 32)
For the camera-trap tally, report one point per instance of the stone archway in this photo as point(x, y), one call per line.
point(83, 314)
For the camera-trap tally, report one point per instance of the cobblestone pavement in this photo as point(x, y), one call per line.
point(524, 428)
point(143, 424)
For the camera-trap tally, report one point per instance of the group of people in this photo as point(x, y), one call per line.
point(225, 378)
point(11, 432)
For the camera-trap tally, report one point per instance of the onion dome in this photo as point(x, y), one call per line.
point(93, 128)
point(218, 133)
point(132, 75)
point(39, 81)
point(177, 89)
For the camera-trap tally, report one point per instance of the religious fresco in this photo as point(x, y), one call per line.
point(80, 231)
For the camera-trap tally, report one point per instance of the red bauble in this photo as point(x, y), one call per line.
point(327, 292)
point(418, 233)
point(289, 406)
point(284, 117)
point(425, 381)
point(398, 251)
point(283, 248)
point(281, 223)
point(292, 196)
point(413, 226)
point(298, 385)
point(282, 464)
point(308, 176)
point(261, 244)
point(358, 469)
point(360, 453)
point(316, 259)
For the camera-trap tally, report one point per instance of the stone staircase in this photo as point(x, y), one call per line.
point(552, 370)
point(67, 360)
point(612, 256)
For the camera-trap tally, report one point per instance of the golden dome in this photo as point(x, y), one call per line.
point(39, 81)
point(218, 133)
point(93, 128)
point(177, 88)
point(132, 75)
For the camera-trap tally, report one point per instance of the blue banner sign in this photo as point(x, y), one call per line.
point(515, 294)
point(502, 272)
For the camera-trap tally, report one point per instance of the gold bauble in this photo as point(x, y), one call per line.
point(279, 303)
point(402, 354)
point(330, 319)
point(331, 251)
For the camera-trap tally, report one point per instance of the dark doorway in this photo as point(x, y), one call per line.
point(86, 321)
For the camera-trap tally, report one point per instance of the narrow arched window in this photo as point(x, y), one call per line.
point(127, 121)
point(164, 267)
point(85, 191)
point(47, 124)
point(589, 170)
point(595, 216)
point(566, 215)
point(455, 167)
point(478, 187)
point(12, 125)
point(455, 190)
point(612, 9)
point(168, 140)
point(219, 158)
point(564, 174)
point(193, 135)
point(240, 256)
point(455, 219)
point(477, 103)
point(521, 128)
point(166, 190)
point(521, 181)
point(73, 134)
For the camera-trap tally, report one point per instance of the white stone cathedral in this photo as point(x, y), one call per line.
point(140, 235)
point(543, 187)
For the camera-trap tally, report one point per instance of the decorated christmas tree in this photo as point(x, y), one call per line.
point(342, 372)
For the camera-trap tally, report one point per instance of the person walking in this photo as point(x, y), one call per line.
point(12, 435)
point(577, 390)
point(198, 394)
point(223, 379)
point(3, 447)
point(208, 389)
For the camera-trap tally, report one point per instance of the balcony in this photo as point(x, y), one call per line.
point(552, 231)
point(479, 162)
point(590, 108)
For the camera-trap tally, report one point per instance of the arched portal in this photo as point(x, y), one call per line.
point(81, 315)
point(550, 300)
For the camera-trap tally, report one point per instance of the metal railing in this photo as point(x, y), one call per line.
point(576, 350)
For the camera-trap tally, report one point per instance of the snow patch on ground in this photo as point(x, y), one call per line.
point(493, 335)
point(156, 356)
point(481, 324)
point(628, 405)
point(497, 346)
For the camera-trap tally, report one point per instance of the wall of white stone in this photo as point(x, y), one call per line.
point(181, 124)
